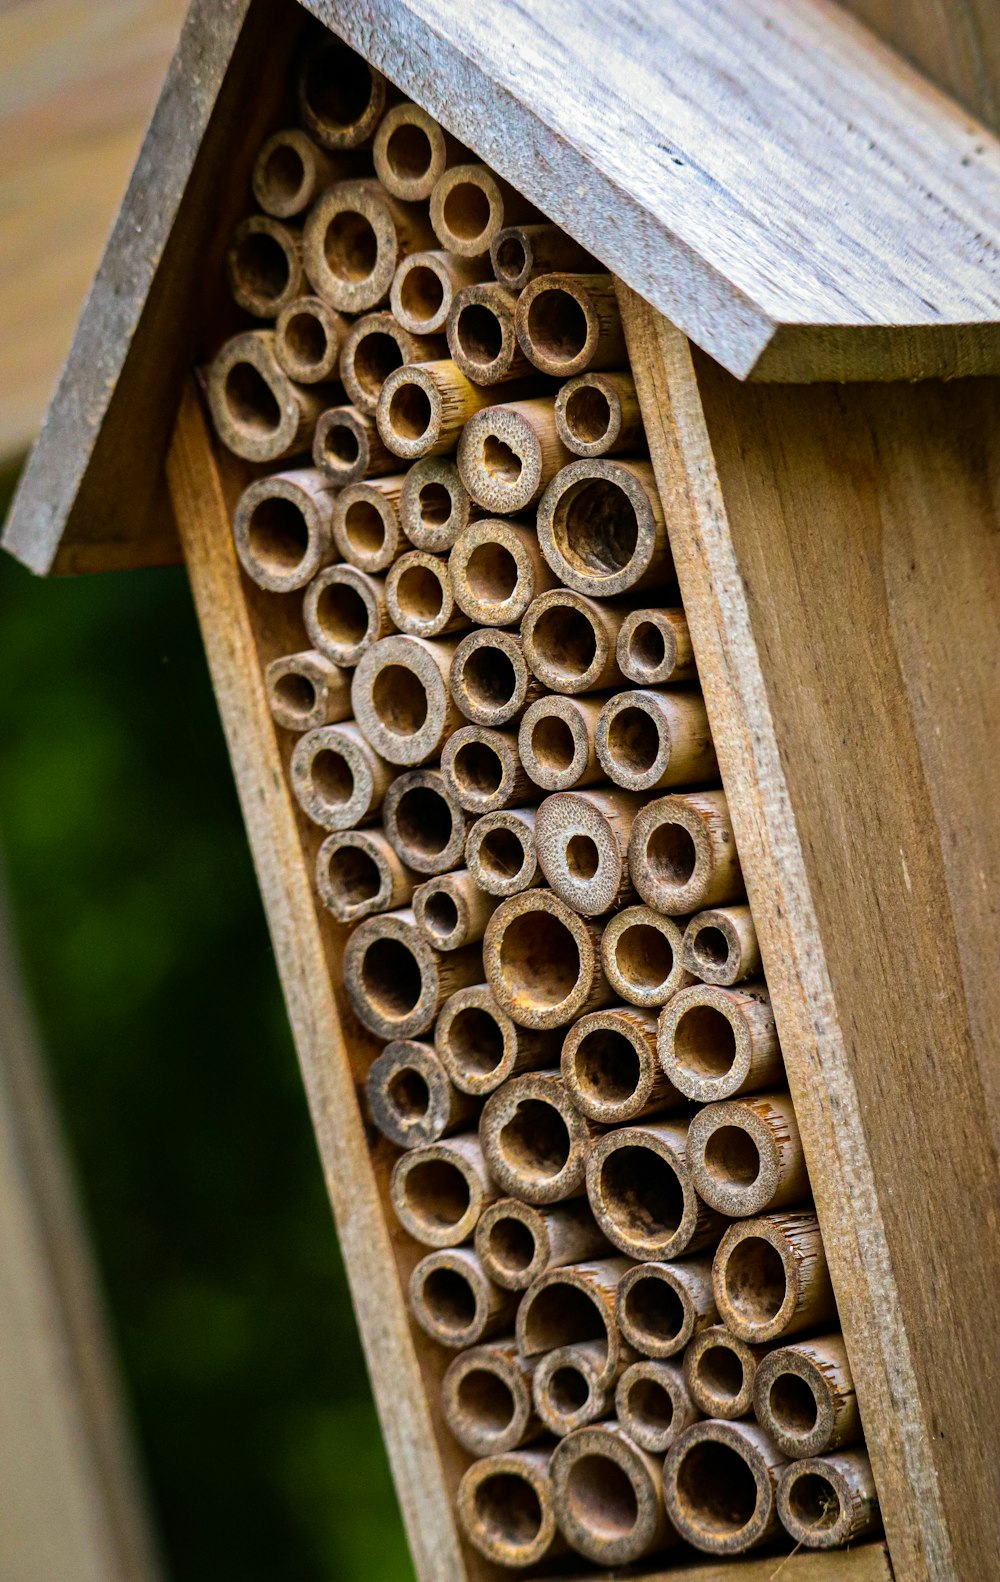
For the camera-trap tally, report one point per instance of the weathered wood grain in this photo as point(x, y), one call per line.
point(863, 1563)
point(955, 43)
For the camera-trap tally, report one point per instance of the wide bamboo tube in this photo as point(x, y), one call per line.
point(401, 698)
point(569, 323)
point(486, 1399)
point(500, 852)
point(649, 740)
point(720, 946)
point(347, 447)
point(305, 691)
point(602, 530)
point(771, 1279)
point(577, 1303)
point(608, 1496)
point(411, 1100)
point(365, 523)
point(481, 335)
point(520, 252)
point(425, 285)
point(542, 959)
point(569, 641)
point(453, 1301)
point(307, 338)
point(490, 681)
point(610, 1068)
point(353, 240)
point(341, 98)
point(519, 1242)
point(434, 506)
point(282, 529)
point(746, 1155)
point(258, 412)
point(661, 1306)
point(720, 1482)
point(715, 1043)
point(535, 1139)
point(423, 408)
point(641, 956)
point(719, 1371)
point(804, 1397)
point(483, 769)
point(683, 853)
point(556, 741)
point(337, 777)
point(291, 171)
point(345, 613)
point(424, 822)
point(419, 596)
point(496, 570)
point(652, 1404)
point(359, 874)
point(569, 1388)
point(411, 151)
point(505, 1509)
point(452, 910)
point(827, 1501)
point(654, 647)
point(395, 982)
point(470, 206)
point(481, 1047)
point(264, 266)
point(641, 1192)
point(373, 348)
point(439, 1190)
point(597, 414)
point(582, 841)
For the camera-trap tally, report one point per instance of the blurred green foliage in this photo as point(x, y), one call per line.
point(153, 979)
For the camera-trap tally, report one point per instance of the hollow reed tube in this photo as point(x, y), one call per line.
point(411, 1099)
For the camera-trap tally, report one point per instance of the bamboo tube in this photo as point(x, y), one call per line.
point(439, 1190)
point(401, 698)
point(354, 237)
point(291, 171)
point(341, 98)
point(770, 1277)
point(264, 266)
point(500, 852)
point(719, 1371)
point(453, 1302)
point(434, 506)
point(746, 1155)
point(410, 1097)
point(602, 530)
point(569, 641)
point(556, 741)
point(641, 956)
point(305, 691)
point(662, 1305)
point(490, 681)
point(608, 1496)
point(597, 414)
point(419, 596)
point(345, 613)
point(470, 205)
point(365, 523)
point(573, 1304)
point(347, 447)
point(641, 1192)
point(719, 1483)
point(483, 769)
point(534, 1139)
point(804, 1397)
point(519, 1242)
point(568, 323)
point(425, 285)
point(720, 946)
point(654, 647)
point(337, 778)
point(411, 152)
point(282, 529)
point(582, 843)
point(569, 1389)
point(715, 1043)
point(480, 1046)
point(610, 1068)
point(395, 982)
point(505, 1509)
point(481, 335)
point(649, 740)
point(307, 339)
point(373, 348)
point(423, 408)
point(452, 910)
point(542, 959)
point(258, 412)
point(496, 570)
point(359, 874)
point(423, 821)
point(683, 853)
point(827, 1501)
point(653, 1405)
point(520, 252)
point(486, 1399)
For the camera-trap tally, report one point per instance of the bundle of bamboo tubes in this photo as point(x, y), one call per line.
point(499, 730)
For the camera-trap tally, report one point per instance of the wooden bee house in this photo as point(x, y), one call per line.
point(709, 441)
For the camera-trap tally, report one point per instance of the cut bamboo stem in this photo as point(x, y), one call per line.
point(258, 412)
point(341, 98)
point(345, 613)
point(662, 1305)
point(411, 152)
point(365, 523)
point(401, 698)
point(827, 1501)
point(337, 778)
point(652, 1404)
point(496, 570)
point(557, 741)
point(291, 171)
point(264, 266)
point(423, 408)
point(566, 1306)
point(453, 1301)
point(804, 1397)
point(720, 946)
point(608, 1496)
point(715, 1043)
point(582, 842)
point(419, 596)
point(452, 910)
point(424, 822)
point(519, 1242)
point(505, 1509)
point(359, 874)
point(486, 1399)
point(771, 1278)
point(483, 769)
point(534, 1138)
point(542, 959)
point(481, 334)
point(425, 286)
point(720, 1371)
point(411, 1100)
point(305, 691)
point(434, 506)
point(568, 323)
point(642, 1195)
point(353, 240)
point(481, 1047)
point(569, 1389)
point(641, 954)
point(347, 447)
point(597, 414)
point(654, 647)
point(439, 1190)
point(746, 1155)
point(602, 530)
point(500, 852)
point(683, 853)
point(470, 206)
point(647, 741)
point(610, 1068)
point(490, 681)
point(395, 982)
point(520, 252)
point(569, 641)
point(282, 529)
point(307, 340)
point(720, 1483)
point(373, 348)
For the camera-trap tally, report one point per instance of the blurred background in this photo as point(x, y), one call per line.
point(142, 940)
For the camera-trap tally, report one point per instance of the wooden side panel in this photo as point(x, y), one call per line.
point(865, 1563)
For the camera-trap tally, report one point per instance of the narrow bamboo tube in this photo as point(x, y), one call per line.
point(654, 647)
point(307, 339)
point(480, 1046)
point(520, 252)
point(341, 98)
point(423, 408)
point(661, 1306)
point(452, 910)
point(264, 266)
point(483, 769)
point(720, 1482)
point(470, 206)
point(542, 959)
point(291, 171)
point(419, 596)
point(345, 613)
point(573, 1304)
point(411, 1099)
point(569, 1389)
point(610, 1068)
point(683, 853)
point(490, 681)
point(597, 414)
point(395, 982)
point(804, 1397)
point(582, 841)
point(653, 1405)
point(719, 1371)
point(359, 874)
point(439, 1190)
point(500, 852)
point(305, 691)
point(365, 523)
point(608, 1496)
point(519, 1242)
point(411, 151)
point(569, 641)
point(424, 822)
point(641, 956)
point(486, 1399)
point(401, 698)
point(434, 506)
point(602, 530)
point(720, 946)
point(770, 1277)
point(453, 1301)
point(746, 1155)
point(641, 1192)
point(647, 741)
point(347, 447)
point(568, 323)
point(505, 1509)
point(258, 412)
point(827, 1501)
point(373, 348)
point(354, 237)
point(425, 285)
point(496, 570)
point(715, 1043)
point(534, 1138)
point(481, 335)
point(282, 529)
point(556, 741)
point(337, 777)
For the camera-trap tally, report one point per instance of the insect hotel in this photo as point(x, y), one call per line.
point(582, 432)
